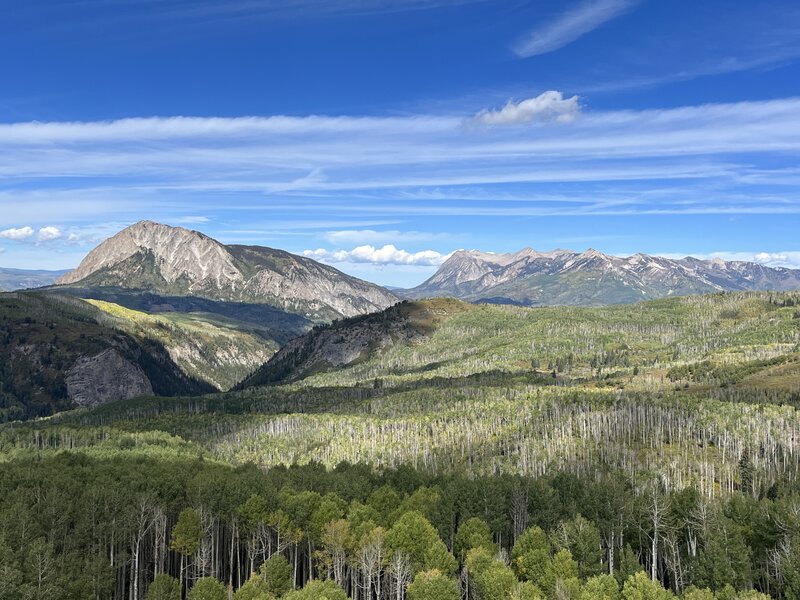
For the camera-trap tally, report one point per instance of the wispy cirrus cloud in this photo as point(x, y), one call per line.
point(570, 25)
point(721, 158)
point(371, 236)
point(192, 220)
point(91, 13)
point(386, 255)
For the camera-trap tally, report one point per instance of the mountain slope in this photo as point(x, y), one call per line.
point(20, 279)
point(349, 341)
point(59, 352)
point(206, 347)
point(611, 345)
point(174, 261)
point(591, 278)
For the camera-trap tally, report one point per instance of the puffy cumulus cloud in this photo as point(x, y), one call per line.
point(47, 234)
point(789, 259)
point(781, 259)
point(778, 259)
point(386, 255)
point(547, 107)
point(20, 233)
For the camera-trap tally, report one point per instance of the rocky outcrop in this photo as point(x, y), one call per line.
point(351, 340)
point(179, 253)
point(174, 261)
point(105, 377)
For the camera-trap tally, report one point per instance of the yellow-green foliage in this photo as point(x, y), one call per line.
point(587, 342)
point(205, 347)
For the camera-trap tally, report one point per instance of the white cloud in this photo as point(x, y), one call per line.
point(386, 255)
point(550, 106)
point(354, 168)
point(21, 233)
point(570, 25)
point(49, 233)
point(192, 220)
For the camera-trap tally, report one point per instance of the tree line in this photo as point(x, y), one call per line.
point(74, 527)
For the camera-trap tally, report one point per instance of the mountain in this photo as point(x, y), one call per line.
point(421, 342)
point(20, 279)
point(591, 278)
point(59, 352)
point(217, 350)
point(349, 341)
point(172, 261)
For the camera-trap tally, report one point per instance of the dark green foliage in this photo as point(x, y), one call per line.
point(414, 536)
point(254, 588)
point(318, 590)
point(277, 574)
point(432, 585)
point(186, 534)
point(82, 500)
point(208, 588)
point(473, 533)
point(41, 337)
point(531, 486)
point(164, 587)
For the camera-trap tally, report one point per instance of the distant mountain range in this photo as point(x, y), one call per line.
point(591, 278)
point(21, 279)
point(172, 261)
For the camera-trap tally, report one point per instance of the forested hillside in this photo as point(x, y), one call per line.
point(58, 352)
point(217, 350)
point(478, 452)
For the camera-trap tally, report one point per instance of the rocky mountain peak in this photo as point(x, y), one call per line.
point(592, 277)
point(158, 258)
point(178, 253)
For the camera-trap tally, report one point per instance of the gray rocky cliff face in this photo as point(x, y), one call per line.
point(105, 377)
point(176, 261)
point(179, 253)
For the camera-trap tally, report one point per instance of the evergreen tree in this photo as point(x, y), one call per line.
point(641, 587)
point(473, 533)
point(208, 588)
point(186, 537)
point(432, 585)
point(254, 588)
point(277, 575)
point(164, 587)
point(530, 556)
point(318, 590)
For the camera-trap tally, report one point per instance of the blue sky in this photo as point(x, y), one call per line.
point(381, 135)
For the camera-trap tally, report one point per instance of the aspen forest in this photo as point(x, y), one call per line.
point(476, 452)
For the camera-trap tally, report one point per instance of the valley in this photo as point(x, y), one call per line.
point(198, 440)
